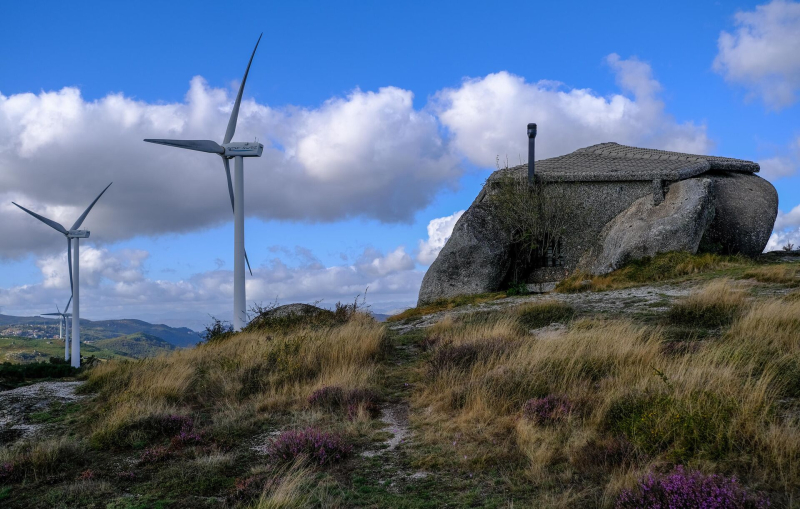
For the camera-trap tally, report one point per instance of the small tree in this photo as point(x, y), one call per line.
point(533, 216)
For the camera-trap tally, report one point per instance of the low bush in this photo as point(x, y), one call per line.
point(334, 398)
point(318, 446)
point(56, 368)
point(547, 410)
point(689, 489)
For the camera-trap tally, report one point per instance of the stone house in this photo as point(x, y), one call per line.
point(619, 203)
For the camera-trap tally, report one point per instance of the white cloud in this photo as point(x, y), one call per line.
point(439, 230)
point(487, 116)
point(776, 168)
point(787, 230)
point(369, 154)
point(115, 284)
point(763, 53)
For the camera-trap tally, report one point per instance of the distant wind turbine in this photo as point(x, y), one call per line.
point(74, 266)
point(63, 321)
point(227, 151)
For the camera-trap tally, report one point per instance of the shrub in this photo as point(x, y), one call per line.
point(319, 446)
point(547, 410)
point(542, 314)
point(329, 397)
point(217, 330)
point(716, 305)
point(56, 368)
point(682, 489)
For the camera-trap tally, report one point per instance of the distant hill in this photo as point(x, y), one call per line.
point(40, 327)
point(136, 345)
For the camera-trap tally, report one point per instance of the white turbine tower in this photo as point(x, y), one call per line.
point(227, 151)
point(73, 259)
point(62, 321)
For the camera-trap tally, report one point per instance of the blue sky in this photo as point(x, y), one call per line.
point(324, 67)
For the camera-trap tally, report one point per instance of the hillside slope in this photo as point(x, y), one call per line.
point(673, 379)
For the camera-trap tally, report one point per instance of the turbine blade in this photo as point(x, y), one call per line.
point(79, 222)
point(230, 183)
point(200, 145)
point(50, 314)
point(230, 192)
point(69, 262)
point(235, 113)
point(59, 311)
point(48, 222)
point(68, 303)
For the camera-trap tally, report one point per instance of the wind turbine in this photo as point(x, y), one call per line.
point(63, 321)
point(74, 266)
point(237, 151)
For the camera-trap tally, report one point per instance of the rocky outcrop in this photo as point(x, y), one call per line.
point(621, 203)
point(646, 229)
point(475, 259)
point(746, 207)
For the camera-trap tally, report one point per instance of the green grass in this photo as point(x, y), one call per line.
point(542, 314)
point(674, 266)
point(445, 304)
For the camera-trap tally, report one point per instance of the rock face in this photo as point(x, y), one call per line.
point(746, 208)
point(475, 259)
point(645, 229)
point(622, 203)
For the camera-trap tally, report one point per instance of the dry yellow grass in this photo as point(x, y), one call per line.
point(784, 273)
point(714, 305)
point(633, 406)
point(238, 378)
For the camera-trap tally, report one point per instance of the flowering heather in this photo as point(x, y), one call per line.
point(330, 397)
point(319, 446)
point(687, 490)
point(547, 410)
point(87, 475)
point(155, 454)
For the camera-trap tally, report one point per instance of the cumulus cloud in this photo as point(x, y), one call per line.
point(369, 154)
point(762, 53)
point(786, 231)
point(487, 116)
point(439, 230)
point(116, 284)
point(776, 168)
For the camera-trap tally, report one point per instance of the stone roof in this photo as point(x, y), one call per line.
point(614, 162)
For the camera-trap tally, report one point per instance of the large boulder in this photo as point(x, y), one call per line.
point(474, 260)
point(646, 229)
point(746, 207)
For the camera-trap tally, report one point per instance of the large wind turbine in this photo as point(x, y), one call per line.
point(236, 151)
point(73, 259)
point(63, 321)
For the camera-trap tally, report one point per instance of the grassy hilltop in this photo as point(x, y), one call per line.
point(674, 379)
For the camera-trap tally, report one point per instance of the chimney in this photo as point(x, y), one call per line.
point(531, 151)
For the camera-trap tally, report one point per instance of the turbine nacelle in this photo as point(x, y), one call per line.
point(78, 234)
point(243, 149)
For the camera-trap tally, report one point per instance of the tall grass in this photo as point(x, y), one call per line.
point(715, 305)
point(632, 406)
point(237, 378)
